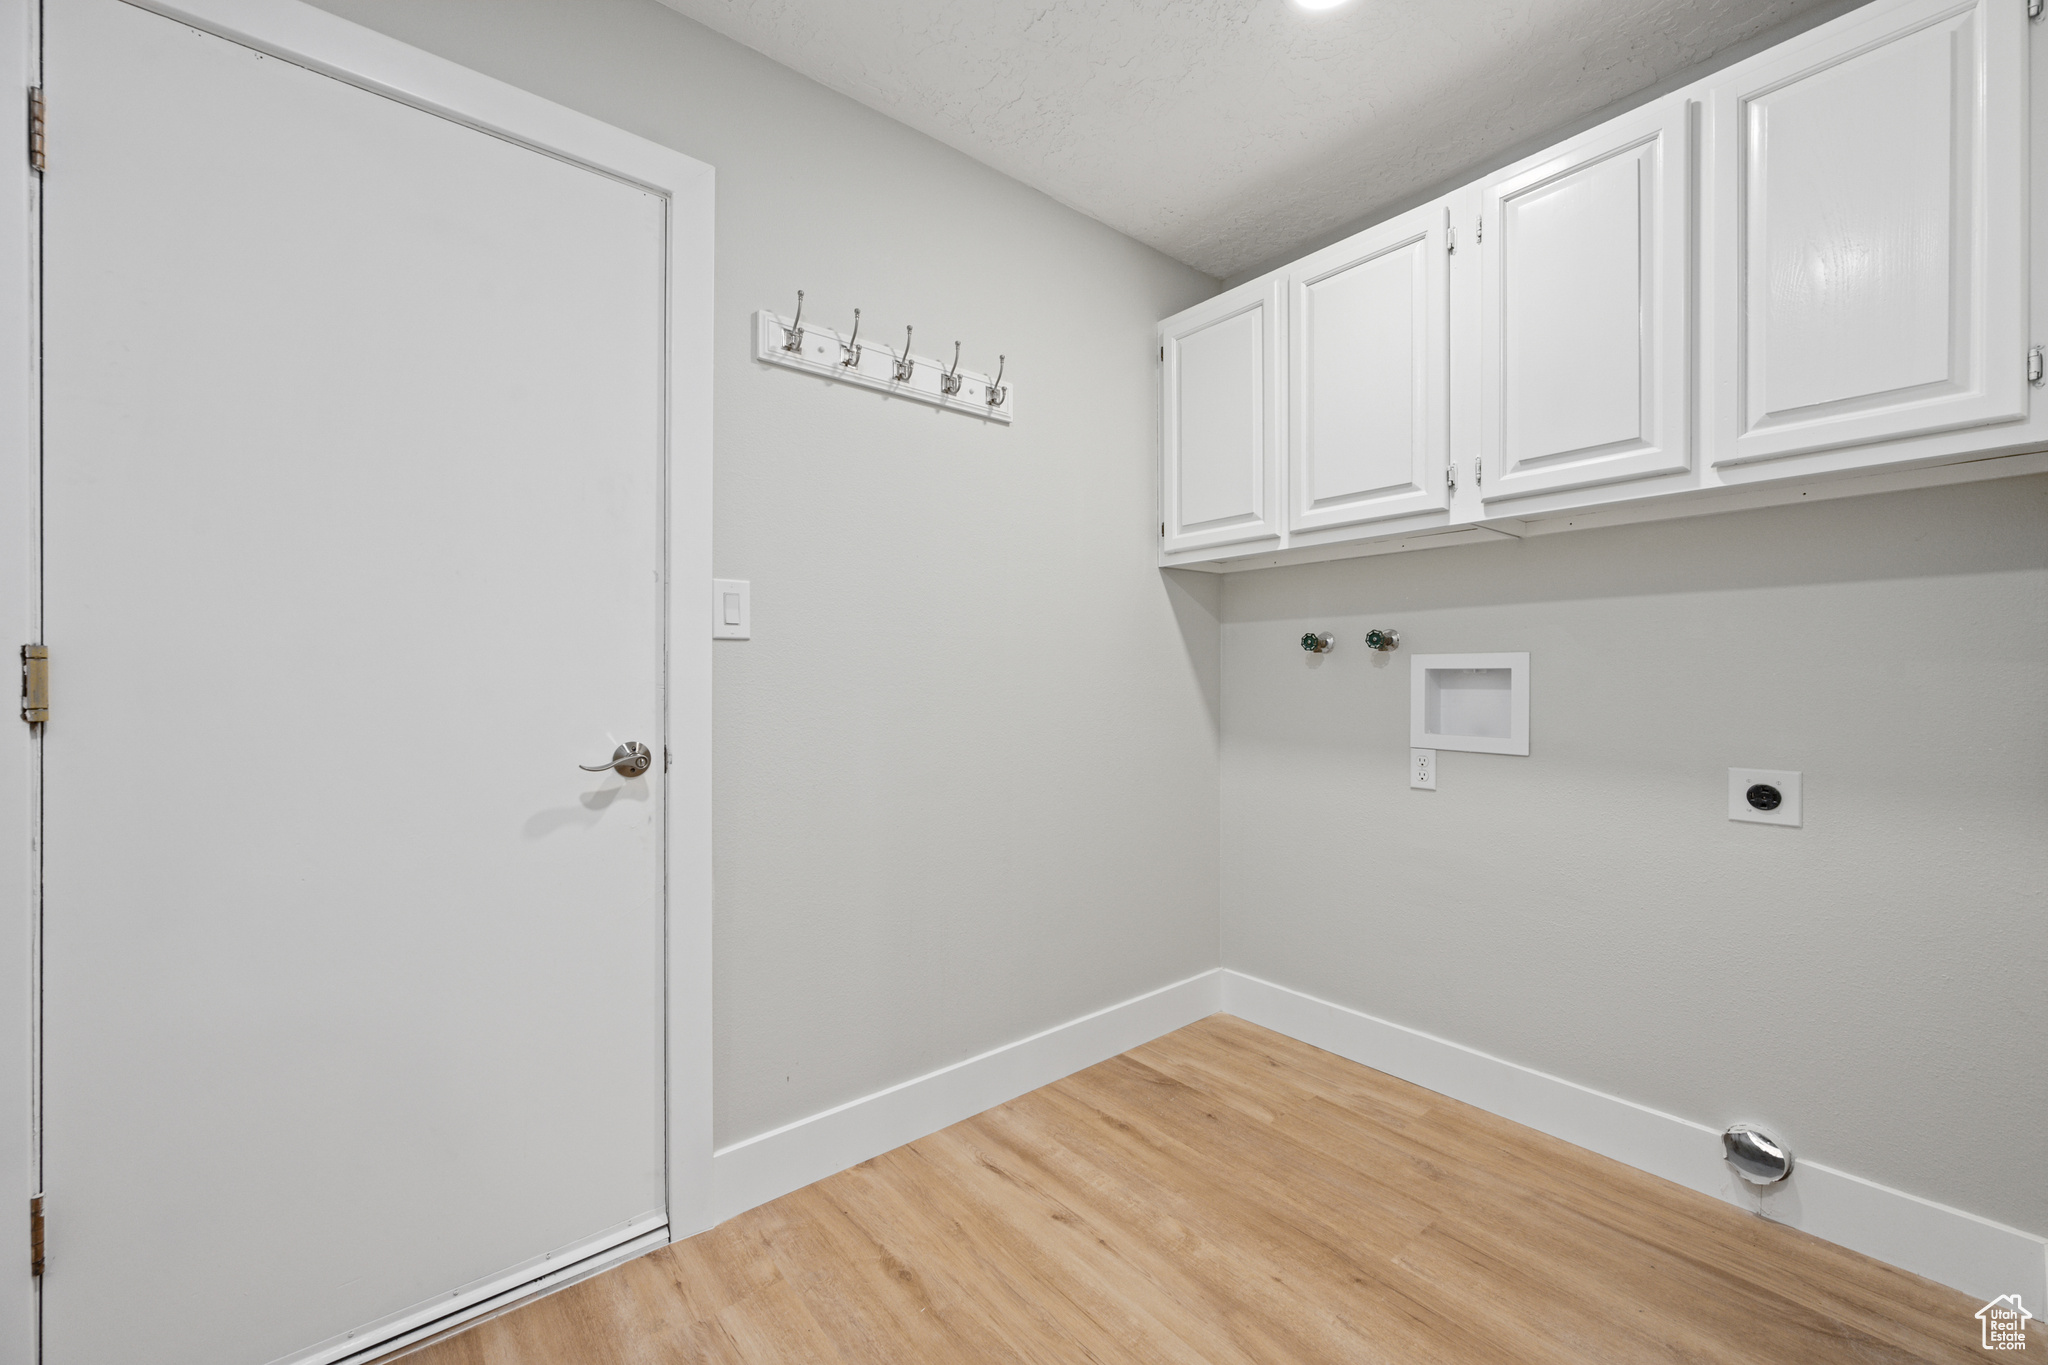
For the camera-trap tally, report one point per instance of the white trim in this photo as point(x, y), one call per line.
point(1973, 1254)
point(753, 1171)
point(542, 1275)
point(20, 623)
point(362, 57)
point(1944, 1244)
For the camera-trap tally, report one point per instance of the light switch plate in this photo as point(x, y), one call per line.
point(732, 613)
point(1788, 811)
point(1422, 769)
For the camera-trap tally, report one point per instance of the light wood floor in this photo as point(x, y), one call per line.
point(1226, 1194)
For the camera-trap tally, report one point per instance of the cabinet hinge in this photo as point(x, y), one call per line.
point(2037, 370)
point(1162, 353)
point(668, 760)
point(35, 1235)
point(1450, 241)
point(35, 683)
point(1162, 530)
point(1451, 477)
point(1479, 232)
point(38, 160)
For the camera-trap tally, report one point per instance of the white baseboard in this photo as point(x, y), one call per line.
point(1947, 1245)
point(758, 1169)
point(1979, 1257)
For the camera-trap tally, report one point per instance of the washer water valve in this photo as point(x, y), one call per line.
point(1383, 640)
point(1319, 642)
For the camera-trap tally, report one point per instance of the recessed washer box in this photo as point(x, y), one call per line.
point(1475, 702)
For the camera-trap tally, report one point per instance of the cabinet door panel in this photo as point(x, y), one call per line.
point(1367, 375)
point(1585, 266)
point(1867, 275)
point(1220, 422)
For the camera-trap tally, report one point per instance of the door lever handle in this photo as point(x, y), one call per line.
point(630, 759)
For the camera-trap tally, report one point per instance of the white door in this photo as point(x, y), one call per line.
point(353, 980)
point(1868, 270)
point(1586, 267)
point(1369, 422)
point(1220, 420)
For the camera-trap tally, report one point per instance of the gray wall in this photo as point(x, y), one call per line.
point(1871, 984)
point(966, 768)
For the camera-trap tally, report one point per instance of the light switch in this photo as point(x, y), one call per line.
point(732, 617)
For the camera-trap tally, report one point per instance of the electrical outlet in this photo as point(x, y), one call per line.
point(1764, 796)
point(1422, 769)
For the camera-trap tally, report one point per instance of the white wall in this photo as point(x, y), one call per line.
point(1870, 985)
point(966, 769)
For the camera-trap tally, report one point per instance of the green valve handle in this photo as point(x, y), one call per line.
point(1383, 640)
point(1318, 643)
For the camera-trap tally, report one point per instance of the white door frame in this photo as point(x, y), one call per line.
point(20, 623)
point(320, 41)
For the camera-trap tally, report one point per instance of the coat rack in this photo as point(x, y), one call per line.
point(800, 345)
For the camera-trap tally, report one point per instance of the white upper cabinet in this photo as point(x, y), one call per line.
point(1585, 264)
point(1368, 384)
point(1826, 261)
point(1221, 420)
point(1866, 269)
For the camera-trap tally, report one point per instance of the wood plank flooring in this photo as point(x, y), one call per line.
point(1226, 1195)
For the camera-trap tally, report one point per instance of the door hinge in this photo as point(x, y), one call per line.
point(1451, 477)
point(35, 683)
point(38, 160)
point(1478, 471)
point(2037, 370)
point(35, 1235)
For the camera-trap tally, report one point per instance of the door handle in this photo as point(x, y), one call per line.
point(628, 760)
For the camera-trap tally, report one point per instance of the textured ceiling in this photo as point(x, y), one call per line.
point(1228, 132)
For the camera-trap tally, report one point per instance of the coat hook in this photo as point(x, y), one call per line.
point(949, 382)
point(850, 348)
point(906, 364)
point(996, 392)
point(793, 335)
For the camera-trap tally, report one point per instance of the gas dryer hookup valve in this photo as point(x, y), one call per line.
point(1756, 1156)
